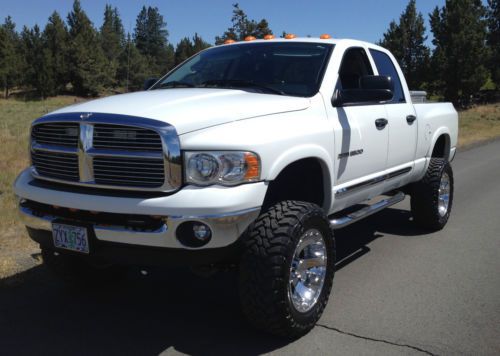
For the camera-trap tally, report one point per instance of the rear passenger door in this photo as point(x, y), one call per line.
point(402, 126)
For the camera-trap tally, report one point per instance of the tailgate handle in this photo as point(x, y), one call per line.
point(410, 119)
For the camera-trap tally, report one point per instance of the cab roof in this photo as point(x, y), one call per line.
point(335, 41)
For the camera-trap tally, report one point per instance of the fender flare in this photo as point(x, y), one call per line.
point(437, 134)
point(305, 151)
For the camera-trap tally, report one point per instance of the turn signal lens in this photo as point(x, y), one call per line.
point(253, 167)
point(229, 41)
point(269, 37)
point(325, 36)
point(250, 38)
point(290, 36)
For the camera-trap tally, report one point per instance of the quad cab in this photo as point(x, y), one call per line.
point(250, 154)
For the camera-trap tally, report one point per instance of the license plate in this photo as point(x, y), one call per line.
point(73, 238)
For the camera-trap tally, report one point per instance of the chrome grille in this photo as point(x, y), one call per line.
point(130, 172)
point(106, 151)
point(57, 133)
point(56, 165)
point(120, 137)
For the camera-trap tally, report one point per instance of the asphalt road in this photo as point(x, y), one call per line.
point(397, 290)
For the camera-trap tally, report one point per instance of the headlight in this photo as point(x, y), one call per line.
point(225, 168)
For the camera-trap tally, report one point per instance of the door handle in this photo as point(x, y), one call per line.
point(410, 119)
point(381, 123)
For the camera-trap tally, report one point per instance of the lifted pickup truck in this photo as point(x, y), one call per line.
point(248, 154)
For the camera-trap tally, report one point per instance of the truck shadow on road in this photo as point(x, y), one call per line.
point(170, 309)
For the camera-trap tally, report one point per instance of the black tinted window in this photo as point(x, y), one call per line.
point(355, 64)
point(280, 67)
point(386, 67)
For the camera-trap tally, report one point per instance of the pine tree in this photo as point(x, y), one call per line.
point(55, 36)
point(89, 69)
point(494, 40)
point(460, 55)
point(112, 38)
point(37, 73)
point(243, 27)
point(199, 44)
point(406, 41)
point(183, 50)
point(151, 39)
point(187, 48)
point(133, 69)
point(11, 60)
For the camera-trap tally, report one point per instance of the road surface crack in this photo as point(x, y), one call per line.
point(416, 348)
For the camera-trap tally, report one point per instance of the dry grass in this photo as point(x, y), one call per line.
point(15, 119)
point(478, 124)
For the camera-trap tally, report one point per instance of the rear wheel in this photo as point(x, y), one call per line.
point(432, 197)
point(287, 268)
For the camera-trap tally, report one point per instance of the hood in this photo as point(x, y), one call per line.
point(190, 109)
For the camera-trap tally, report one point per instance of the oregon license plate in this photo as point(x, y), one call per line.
point(73, 238)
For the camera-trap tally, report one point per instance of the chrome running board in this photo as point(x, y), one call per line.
point(340, 222)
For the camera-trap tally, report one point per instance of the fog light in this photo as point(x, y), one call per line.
point(193, 234)
point(201, 231)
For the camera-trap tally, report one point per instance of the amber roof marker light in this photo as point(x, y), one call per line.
point(229, 41)
point(250, 38)
point(269, 37)
point(290, 36)
point(325, 36)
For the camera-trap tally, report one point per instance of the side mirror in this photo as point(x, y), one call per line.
point(372, 89)
point(148, 83)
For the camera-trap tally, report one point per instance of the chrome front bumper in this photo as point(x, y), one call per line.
point(226, 229)
point(228, 211)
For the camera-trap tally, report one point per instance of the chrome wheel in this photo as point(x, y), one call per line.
point(308, 271)
point(444, 194)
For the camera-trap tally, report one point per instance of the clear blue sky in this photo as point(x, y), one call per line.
point(359, 19)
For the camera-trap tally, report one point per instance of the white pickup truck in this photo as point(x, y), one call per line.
point(248, 154)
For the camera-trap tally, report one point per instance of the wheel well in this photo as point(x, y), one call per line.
point(442, 147)
point(302, 180)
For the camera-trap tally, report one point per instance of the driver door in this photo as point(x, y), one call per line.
point(360, 142)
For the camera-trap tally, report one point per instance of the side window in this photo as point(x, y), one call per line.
point(386, 67)
point(355, 64)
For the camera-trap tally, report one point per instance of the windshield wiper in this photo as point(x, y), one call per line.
point(239, 83)
point(175, 84)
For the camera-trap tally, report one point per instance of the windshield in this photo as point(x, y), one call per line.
point(271, 68)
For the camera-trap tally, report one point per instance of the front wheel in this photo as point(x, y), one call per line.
point(287, 268)
point(432, 197)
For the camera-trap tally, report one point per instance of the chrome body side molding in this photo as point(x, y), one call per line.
point(355, 187)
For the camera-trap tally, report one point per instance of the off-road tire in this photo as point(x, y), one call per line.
point(270, 244)
point(425, 196)
point(74, 270)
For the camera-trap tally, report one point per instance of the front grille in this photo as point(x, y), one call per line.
point(56, 165)
point(106, 151)
point(143, 172)
point(60, 134)
point(120, 137)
